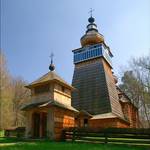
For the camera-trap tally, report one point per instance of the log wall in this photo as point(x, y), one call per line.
point(62, 119)
point(108, 123)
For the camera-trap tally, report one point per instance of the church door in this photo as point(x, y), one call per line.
point(39, 125)
point(36, 125)
point(44, 124)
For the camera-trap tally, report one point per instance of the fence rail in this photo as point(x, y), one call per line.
point(15, 132)
point(109, 135)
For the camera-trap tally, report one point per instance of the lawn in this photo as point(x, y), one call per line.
point(15, 144)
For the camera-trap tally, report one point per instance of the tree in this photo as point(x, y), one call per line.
point(5, 93)
point(20, 96)
point(13, 94)
point(136, 84)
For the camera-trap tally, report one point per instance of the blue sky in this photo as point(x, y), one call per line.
point(32, 29)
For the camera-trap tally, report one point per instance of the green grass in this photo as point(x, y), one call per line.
point(9, 140)
point(16, 144)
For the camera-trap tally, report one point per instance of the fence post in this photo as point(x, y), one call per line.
point(63, 135)
point(106, 138)
point(73, 136)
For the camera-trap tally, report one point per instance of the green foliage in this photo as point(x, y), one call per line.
point(48, 145)
point(1, 133)
point(136, 84)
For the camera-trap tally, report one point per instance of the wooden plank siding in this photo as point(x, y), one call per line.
point(62, 119)
point(108, 123)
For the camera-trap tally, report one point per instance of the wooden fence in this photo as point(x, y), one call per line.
point(15, 132)
point(109, 135)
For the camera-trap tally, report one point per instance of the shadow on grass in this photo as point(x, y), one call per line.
point(10, 140)
point(46, 145)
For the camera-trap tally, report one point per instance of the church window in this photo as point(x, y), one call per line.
point(83, 55)
point(91, 52)
point(99, 51)
point(88, 54)
point(75, 57)
point(79, 56)
point(41, 89)
point(96, 52)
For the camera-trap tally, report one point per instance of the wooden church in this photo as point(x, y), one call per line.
point(93, 100)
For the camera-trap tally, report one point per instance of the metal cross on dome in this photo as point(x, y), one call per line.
point(91, 11)
point(51, 56)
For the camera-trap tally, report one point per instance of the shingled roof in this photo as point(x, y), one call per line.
point(50, 76)
point(105, 116)
point(124, 98)
point(46, 104)
point(96, 90)
point(85, 113)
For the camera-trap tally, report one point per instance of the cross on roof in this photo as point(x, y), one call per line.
point(91, 11)
point(51, 56)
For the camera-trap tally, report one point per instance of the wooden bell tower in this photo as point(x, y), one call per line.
point(93, 78)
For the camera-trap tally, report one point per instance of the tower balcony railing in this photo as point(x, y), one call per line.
point(91, 52)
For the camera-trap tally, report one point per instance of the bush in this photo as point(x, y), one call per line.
point(1, 133)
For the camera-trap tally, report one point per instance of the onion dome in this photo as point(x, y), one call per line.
point(92, 36)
